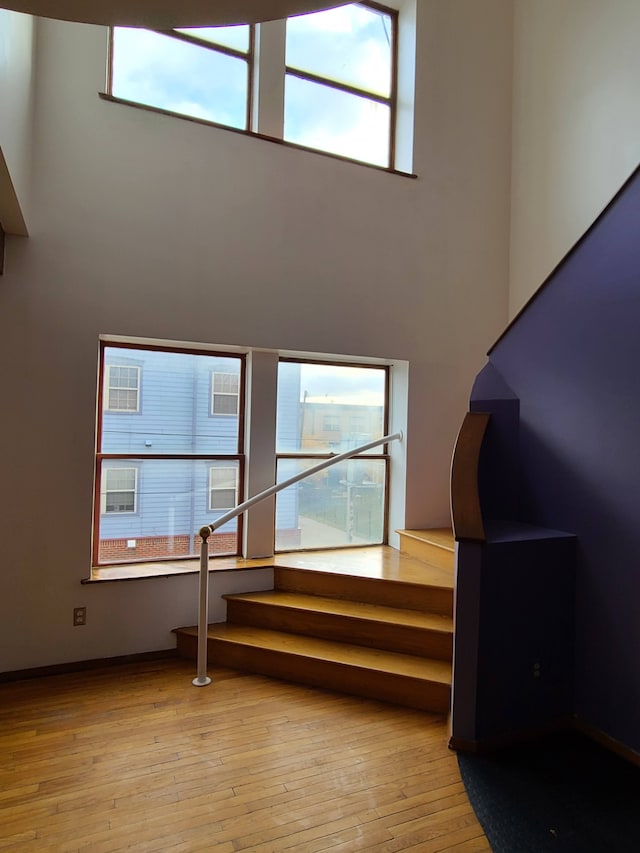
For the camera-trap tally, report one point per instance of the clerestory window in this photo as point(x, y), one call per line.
point(336, 71)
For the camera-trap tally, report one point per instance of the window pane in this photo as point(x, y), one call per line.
point(342, 505)
point(223, 499)
point(172, 74)
point(225, 404)
point(236, 37)
point(330, 120)
point(175, 405)
point(319, 405)
point(350, 44)
point(172, 504)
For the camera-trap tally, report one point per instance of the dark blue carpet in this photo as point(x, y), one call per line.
point(559, 794)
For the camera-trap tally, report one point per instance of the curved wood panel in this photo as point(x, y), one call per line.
point(466, 514)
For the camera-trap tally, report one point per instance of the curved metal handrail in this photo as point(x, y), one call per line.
point(203, 611)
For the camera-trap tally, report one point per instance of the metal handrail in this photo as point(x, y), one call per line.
point(202, 678)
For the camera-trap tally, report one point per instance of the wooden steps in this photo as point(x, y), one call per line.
point(359, 623)
point(387, 638)
point(434, 546)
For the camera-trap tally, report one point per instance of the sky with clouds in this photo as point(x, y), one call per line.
point(350, 44)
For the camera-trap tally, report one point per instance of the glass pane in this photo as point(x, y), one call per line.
point(174, 412)
point(236, 37)
point(121, 400)
point(330, 120)
point(171, 505)
point(350, 44)
point(225, 404)
point(172, 74)
point(342, 505)
point(329, 408)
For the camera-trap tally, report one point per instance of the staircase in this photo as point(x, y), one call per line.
point(331, 624)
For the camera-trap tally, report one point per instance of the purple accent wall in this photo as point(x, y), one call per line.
point(572, 359)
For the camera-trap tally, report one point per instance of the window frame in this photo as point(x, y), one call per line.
point(100, 456)
point(391, 101)
point(256, 59)
point(382, 452)
point(248, 57)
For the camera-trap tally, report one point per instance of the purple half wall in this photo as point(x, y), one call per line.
point(563, 453)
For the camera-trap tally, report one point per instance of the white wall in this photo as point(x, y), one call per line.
point(16, 54)
point(150, 226)
point(576, 125)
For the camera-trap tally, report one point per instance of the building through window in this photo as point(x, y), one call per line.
point(177, 464)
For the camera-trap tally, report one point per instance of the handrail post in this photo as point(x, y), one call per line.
point(202, 679)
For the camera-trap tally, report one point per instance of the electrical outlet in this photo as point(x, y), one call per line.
point(537, 670)
point(79, 616)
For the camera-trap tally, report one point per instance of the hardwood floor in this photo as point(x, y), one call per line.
point(134, 757)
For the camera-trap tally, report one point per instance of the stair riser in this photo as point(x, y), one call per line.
point(371, 591)
point(400, 690)
point(421, 642)
point(426, 551)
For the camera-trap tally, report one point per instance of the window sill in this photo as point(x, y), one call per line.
point(141, 571)
point(113, 99)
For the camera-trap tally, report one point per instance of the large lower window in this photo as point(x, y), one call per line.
point(169, 459)
point(331, 78)
point(325, 409)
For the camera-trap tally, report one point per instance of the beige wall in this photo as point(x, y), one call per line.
point(150, 226)
point(576, 125)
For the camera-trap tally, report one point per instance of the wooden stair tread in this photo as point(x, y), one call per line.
point(442, 537)
point(349, 609)
point(377, 660)
point(383, 564)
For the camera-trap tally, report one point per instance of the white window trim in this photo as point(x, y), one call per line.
point(108, 388)
point(213, 488)
point(105, 491)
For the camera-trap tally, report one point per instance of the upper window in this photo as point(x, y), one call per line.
point(340, 81)
point(122, 388)
point(203, 73)
point(337, 78)
point(225, 391)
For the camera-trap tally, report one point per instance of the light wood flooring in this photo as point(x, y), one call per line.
point(135, 758)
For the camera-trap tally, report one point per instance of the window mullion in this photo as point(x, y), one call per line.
point(336, 84)
point(269, 71)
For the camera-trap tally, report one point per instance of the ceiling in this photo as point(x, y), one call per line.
point(162, 14)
